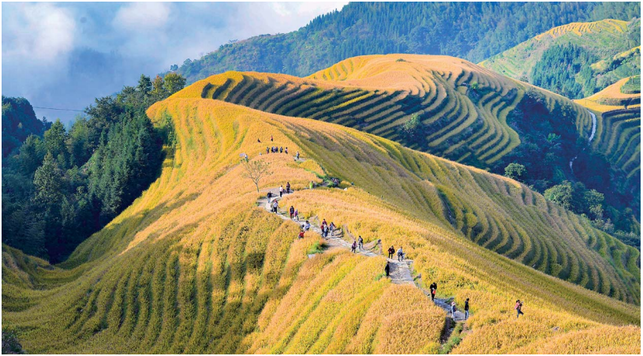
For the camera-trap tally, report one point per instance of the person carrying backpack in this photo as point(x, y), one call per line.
point(466, 309)
point(518, 308)
point(331, 228)
point(292, 212)
point(434, 289)
point(453, 310)
point(301, 234)
point(275, 206)
point(361, 242)
point(391, 252)
point(288, 186)
point(297, 214)
point(281, 149)
point(354, 247)
point(286, 150)
point(306, 226)
point(400, 254)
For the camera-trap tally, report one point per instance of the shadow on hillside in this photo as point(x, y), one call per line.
point(114, 238)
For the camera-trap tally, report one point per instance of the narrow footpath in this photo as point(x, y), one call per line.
point(400, 271)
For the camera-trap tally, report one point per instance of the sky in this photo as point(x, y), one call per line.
point(63, 55)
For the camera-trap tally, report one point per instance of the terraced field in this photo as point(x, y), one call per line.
point(605, 39)
point(462, 107)
point(194, 266)
point(618, 132)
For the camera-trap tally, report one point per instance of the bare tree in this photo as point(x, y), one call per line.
point(255, 170)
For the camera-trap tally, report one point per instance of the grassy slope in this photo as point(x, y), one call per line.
point(605, 39)
point(194, 266)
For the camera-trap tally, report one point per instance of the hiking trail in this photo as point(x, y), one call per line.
point(400, 271)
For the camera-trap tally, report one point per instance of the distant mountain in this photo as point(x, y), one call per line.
point(473, 31)
point(18, 122)
point(577, 59)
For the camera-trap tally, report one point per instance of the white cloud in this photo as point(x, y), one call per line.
point(38, 32)
point(305, 10)
point(142, 16)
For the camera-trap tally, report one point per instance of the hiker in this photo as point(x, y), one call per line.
point(267, 150)
point(391, 251)
point(301, 234)
point(400, 254)
point(361, 242)
point(281, 149)
point(275, 206)
point(466, 309)
point(331, 227)
point(307, 226)
point(387, 269)
point(281, 191)
point(269, 195)
point(354, 246)
point(288, 187)
point(297, 214)
point(297, 155)
point(271, 138)
point(518, 308)
point(324, 223)
point(453, 309)
point(286, 150)
point(434, 288)
point(323, 229)
point(311, 185)
point(292, 212)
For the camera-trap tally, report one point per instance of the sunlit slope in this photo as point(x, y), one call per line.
point(618, 131)
point(194, 266)
point(462, 108)
point(605, 38)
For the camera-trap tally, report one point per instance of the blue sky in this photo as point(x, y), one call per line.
point(63, 55)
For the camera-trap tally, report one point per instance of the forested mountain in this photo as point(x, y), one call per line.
point(59, 189)
point(575, 60)
point(18, 122)
point(473, 31)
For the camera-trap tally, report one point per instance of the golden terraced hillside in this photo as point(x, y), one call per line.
point(195, 266)
point(461, 107)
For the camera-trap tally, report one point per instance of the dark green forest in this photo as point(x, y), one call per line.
point(473, 31)
point(19, 121)
point(60, 188)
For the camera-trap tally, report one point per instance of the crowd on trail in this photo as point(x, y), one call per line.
point(358, 244)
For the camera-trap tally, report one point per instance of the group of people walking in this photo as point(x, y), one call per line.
point(275, 149)
point(357, 244)
point(400, 253)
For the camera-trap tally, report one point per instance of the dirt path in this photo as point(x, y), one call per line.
point(400, 271)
